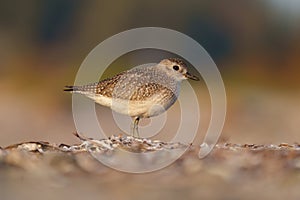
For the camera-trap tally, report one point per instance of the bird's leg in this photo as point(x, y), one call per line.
point(135, 127)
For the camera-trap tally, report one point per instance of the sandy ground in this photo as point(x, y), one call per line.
point(231, 171)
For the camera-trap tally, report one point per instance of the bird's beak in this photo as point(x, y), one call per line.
point(190, 76)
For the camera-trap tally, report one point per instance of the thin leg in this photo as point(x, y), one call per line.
point(135, 127)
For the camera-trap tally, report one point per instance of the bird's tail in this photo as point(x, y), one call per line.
point(70, 88)
point(84, 89)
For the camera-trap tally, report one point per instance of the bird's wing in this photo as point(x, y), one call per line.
point(137, 84)
point(149, 91)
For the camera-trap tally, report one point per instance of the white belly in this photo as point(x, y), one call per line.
point(148, 108)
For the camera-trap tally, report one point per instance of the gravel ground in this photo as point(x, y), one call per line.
point(35, 170)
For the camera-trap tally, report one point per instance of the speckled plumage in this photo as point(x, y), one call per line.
point(140, 92)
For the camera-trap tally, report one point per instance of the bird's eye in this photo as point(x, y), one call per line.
point(175, 67)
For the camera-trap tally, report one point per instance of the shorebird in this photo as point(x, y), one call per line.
point(140, 92)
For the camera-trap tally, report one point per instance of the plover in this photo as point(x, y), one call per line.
point(140, 92)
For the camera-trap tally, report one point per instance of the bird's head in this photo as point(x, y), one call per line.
point(177, 69)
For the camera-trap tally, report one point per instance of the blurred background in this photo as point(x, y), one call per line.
point(255, 44)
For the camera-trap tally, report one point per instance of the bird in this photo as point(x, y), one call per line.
point(140, 92)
